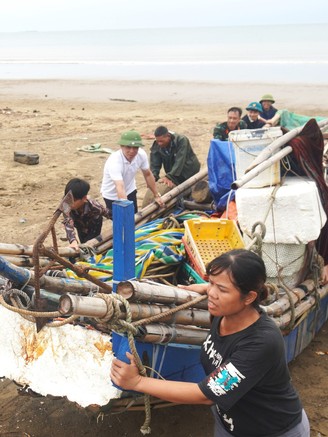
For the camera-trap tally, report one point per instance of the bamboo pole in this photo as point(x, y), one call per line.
point(300, 310)
point(153, 292)
point(163, 334)
point(25, 261)
point(20, 249)
point(260, 168)
point(282, 304)
point(23, 276)
point(97, 308)
point(104, 241)
point(276, 144)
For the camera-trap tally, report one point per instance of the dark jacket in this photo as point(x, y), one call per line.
point(221, 130)
point(257, 124)
point(269, 114)
point(179, 160)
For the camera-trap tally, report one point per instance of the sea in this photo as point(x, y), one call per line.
point(260, 54)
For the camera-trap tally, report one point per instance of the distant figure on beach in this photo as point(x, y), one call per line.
point(252, 117)
point(86, 214)
point(268, 110)
point(120, 170)
point(174, 153)
point(247, 382)
point(234, 122)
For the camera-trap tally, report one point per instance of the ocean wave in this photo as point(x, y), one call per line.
point(167, 63)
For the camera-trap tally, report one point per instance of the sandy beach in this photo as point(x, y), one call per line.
point(55, 119)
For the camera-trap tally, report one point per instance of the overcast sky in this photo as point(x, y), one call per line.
point(42, 15)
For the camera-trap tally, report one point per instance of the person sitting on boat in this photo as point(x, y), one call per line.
point(86, 214)
point(234, 122)
point(248, 383)
point(174, 153)
point(268, 110)
point(120, 170)
point(252, 117)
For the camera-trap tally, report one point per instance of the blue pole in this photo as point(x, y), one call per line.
point(123, 259)
point(123, 242)
point(13, 273)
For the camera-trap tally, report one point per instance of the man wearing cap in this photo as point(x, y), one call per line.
point(252, 117)
point(174, 153)
point(120, 170)
point(268, 111)
point(234, 122)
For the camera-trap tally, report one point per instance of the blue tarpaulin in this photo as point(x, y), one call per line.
point(221, 172)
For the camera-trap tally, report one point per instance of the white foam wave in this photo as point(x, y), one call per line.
point(167, 63)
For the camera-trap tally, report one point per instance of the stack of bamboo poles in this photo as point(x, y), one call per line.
point(21, 255)
point(150, 303)
point(162, 313)
point(149, 300)
point(291, 306)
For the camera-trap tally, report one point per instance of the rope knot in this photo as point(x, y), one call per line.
point(114, 315)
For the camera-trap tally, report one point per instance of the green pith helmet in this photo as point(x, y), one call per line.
point(268, 97)
point(130, 138)
point(254, 106)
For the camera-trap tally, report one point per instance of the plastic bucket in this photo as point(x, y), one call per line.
point(248, 144)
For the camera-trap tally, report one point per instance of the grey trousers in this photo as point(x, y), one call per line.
point(302, 429)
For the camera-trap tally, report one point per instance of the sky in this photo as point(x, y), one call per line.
point(56, 15)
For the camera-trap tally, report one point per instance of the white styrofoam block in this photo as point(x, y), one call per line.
point(65, 361)
point(296, 215)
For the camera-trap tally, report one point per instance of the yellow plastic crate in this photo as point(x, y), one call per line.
point(205, 239)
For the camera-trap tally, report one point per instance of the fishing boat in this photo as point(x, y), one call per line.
point(63, 322)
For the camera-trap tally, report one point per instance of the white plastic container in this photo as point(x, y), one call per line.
point(248, 144)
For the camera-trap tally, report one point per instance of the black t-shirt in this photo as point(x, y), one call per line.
point(249, 381)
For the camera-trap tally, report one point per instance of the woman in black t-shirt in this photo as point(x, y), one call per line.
point(247, 382)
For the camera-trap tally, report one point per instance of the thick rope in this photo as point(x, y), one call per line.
point(31, 316)
point(125, 326)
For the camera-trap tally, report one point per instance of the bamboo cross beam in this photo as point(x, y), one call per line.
point(282, 304)
point(159, 333)
point(300, 310)
point(96, 308)
point(20, 249)
point(153, 292)
point(22, 276)
point(25, 261)
point(104, 241)
point(260, 168)
point(281, 141)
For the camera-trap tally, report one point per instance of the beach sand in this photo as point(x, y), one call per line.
point(56, 118)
